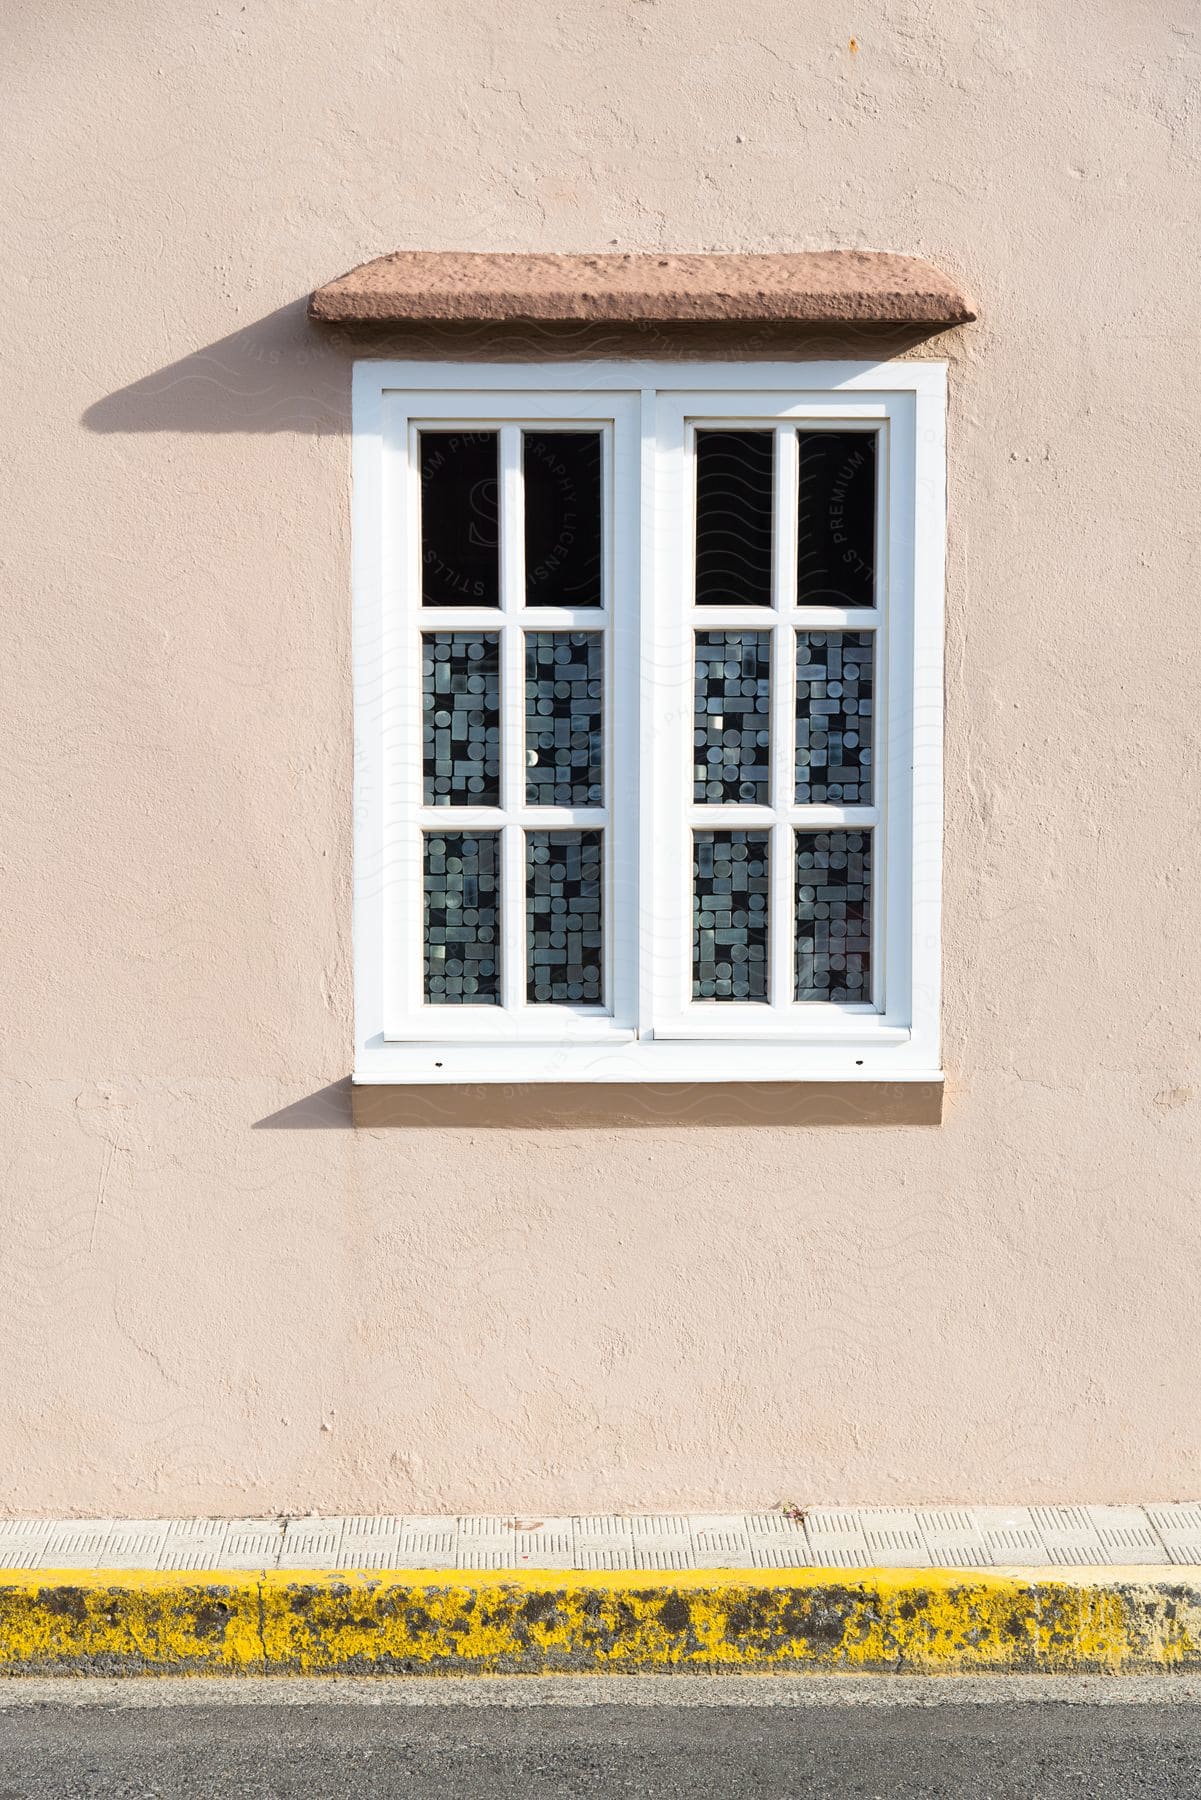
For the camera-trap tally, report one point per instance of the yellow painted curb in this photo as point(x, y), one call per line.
point(421, 1621)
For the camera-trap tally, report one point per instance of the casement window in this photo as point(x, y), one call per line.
point(648, 686)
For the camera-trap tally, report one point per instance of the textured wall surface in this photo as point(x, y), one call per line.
point(218, 1295)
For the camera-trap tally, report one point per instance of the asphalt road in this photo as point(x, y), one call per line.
point(315, 1747)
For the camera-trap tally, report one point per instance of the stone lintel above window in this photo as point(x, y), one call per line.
point(819, 287)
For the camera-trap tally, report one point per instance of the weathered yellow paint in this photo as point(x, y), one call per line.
point(554, 1621)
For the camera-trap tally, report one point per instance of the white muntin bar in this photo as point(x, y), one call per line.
point(835, 618)
point(512, 718)
point(532, 818)
point(562, 618)
point(734, 618)
point(458, 618)
point(531, 618)
point(781, 925)
point(834, 818)
point(716, 816)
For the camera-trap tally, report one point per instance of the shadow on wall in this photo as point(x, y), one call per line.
point(329, 1109)
point(584, 1106)
point(283, 373)
point(279, 374)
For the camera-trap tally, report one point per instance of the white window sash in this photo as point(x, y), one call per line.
point(675, 620)
point(407, 1018)
point(651, 1030)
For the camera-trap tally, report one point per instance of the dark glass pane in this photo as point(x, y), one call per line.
point(833, 915)
point(733, 686)
point(460, 697)
point(562, 518)
point(564, 696)
point(733, 517)
point(462, 918)
point(460, 536)
point(836, 548)
point(729, 915)
point(834, 717)
point(564, 928)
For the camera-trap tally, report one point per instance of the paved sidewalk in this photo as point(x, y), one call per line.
point(847, 1538)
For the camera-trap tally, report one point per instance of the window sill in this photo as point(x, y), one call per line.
point(866, 1058)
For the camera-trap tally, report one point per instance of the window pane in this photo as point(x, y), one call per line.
point(733, 690)
point(462, 918)
point(834, 717)
point(833, 915)
point(564, 689)
point(729, 915)
point(836, 545)
point(562, 518)
point(460, 536)
point(564, 929)
point(460, 697)
point(733, 517)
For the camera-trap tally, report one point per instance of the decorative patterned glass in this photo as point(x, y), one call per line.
point(733, 517)
point(460, 697)
point(833, 915)
point(564, 700)
point(733, 689)
point(834, 718)
point(462, 918)
point(460, 531)
point(729, 915)
point(562, 518)
point(564, 925)
point(836, 537)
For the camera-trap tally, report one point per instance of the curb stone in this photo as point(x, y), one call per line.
point(554, 1622)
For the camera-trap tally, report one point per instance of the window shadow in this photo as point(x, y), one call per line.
point(278, 374)
point(329, 1109)
point(584, 1106)
point(283, 373)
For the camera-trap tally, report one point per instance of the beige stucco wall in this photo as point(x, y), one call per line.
point(215, 1293)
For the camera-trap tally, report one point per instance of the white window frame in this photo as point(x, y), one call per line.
point(653, 1031)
